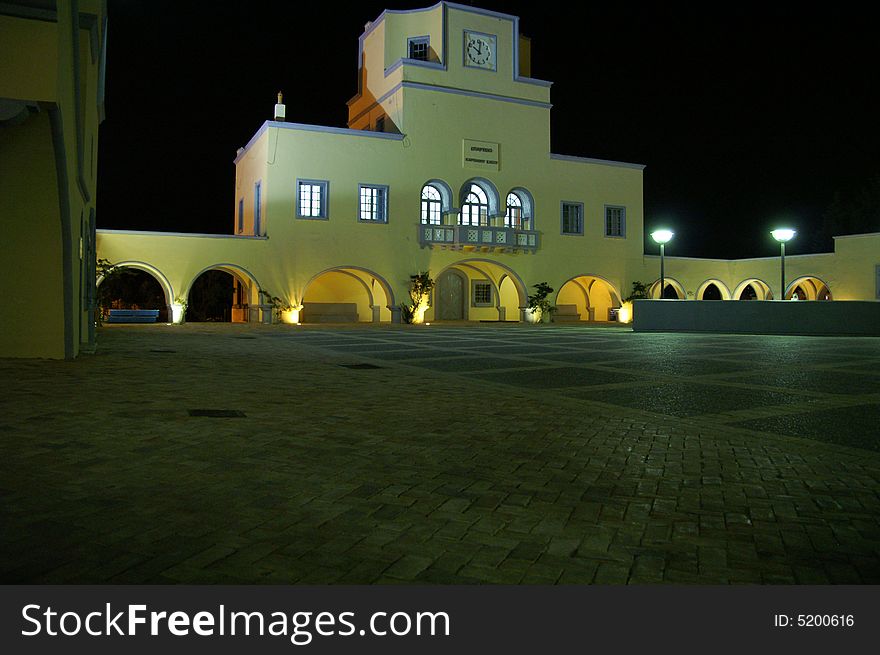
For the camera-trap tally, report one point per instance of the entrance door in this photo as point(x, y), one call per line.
point(450, 296)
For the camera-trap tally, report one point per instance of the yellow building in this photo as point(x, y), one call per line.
point(51, 102)
point(446, 167)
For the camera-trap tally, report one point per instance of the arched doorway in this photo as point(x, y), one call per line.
point(347, 295)
point(477, 290)
point(808, 287)
point(134, 285)
point(587, 298)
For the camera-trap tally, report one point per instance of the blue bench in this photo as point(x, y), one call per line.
point(133, 316)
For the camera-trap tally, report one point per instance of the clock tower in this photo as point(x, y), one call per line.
point(449, 67)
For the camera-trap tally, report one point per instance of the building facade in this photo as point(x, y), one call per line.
point(445, 167)
point(51, 103)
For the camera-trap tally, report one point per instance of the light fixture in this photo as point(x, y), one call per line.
point(662, 237)
point(782, 234)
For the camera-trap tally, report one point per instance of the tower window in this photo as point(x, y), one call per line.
point(417, 47)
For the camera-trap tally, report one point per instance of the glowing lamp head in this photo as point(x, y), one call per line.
point(783, 234)
point(662, 236)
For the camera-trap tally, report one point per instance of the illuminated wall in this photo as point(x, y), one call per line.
point(51, 84)
point(438, 113)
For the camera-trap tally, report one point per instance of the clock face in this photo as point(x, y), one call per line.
point(479, 50)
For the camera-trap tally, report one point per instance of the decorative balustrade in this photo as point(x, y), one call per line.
point(478, 237)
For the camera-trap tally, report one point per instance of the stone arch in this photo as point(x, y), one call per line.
point(722, 288)
point(495, 208)
point(761, 288)
point(246, 291)
point(670, 282)
point(815, 288)
point(159, 276)
point(508, 302)
point(347, 294)
point(587, 297)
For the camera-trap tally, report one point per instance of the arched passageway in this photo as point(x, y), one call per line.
point(713, 290)
point(753, 289)
point(133, 285)
point(808, 287)
point(223, 293)
point(347, 295)
point(672, 289)
point(587, 298)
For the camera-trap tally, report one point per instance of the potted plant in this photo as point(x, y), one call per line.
point(538, 305)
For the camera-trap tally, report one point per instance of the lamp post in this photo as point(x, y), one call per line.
point(782, 235)
point(662, 237)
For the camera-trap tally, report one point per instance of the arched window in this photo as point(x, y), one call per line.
point(475, 208)
point(514, 216)
point(431, 205)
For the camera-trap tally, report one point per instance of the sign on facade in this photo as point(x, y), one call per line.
point(482, 155)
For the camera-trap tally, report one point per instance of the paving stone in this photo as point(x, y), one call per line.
point(698, 464)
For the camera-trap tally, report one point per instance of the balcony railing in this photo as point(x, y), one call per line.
point(477, 237)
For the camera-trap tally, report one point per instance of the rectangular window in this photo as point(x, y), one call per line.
point(373, 203)
point(572, 217)
point(380, 124)
point(615, 221)
point(258, 207)
point(481, 294)
point(418, 47)
point(311, 198)
point(240, 215)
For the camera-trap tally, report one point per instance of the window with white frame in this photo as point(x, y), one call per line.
point(432, 205)
point(418, 48)
point(481, 293)
point(475, 208)
point(615, 221)
point(373, 203)
point(311, 198)
point(572, 218)
point(514, 216)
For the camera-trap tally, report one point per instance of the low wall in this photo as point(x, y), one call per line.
point(846, 317)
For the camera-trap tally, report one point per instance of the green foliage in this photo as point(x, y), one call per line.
point(420, 287)
point(278, 305)
point(639, 292)
point(538, 300)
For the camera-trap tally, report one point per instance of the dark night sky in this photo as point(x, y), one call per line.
point(746, 117)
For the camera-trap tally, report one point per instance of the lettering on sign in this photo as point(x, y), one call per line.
point(481, 155)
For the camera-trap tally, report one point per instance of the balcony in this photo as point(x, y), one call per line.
point(478, 238)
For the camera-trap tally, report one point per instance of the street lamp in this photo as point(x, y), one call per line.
point(662, 237)
point(782, 235)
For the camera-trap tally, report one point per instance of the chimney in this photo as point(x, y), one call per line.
point(279, 109)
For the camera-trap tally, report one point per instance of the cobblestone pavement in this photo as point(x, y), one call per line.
point(456, 454)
